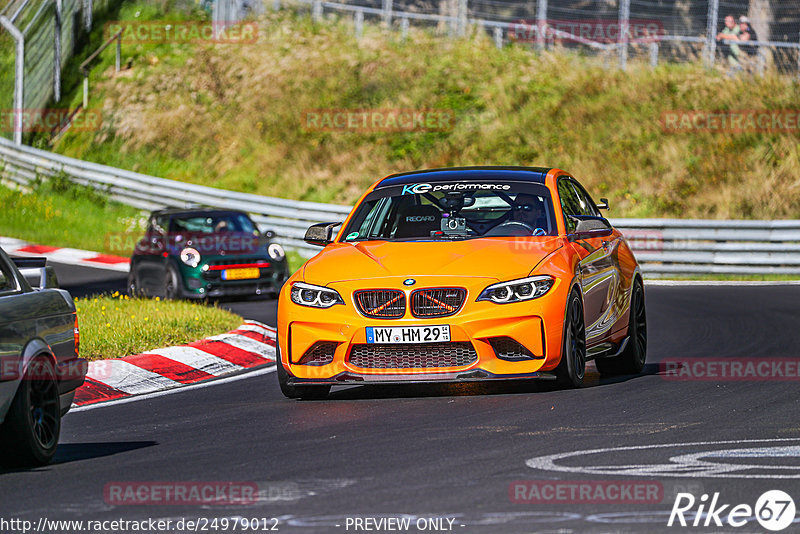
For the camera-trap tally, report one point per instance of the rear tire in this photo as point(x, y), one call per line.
point(571, 370)
point(631, 361)
point(33, 422)
point(297, 392)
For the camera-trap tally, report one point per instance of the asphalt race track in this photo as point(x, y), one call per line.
point(454, 452)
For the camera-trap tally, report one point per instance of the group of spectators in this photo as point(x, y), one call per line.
point(738, 56)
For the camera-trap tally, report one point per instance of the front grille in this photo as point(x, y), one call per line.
point(381, 303)
point(407, 355)
point(510, 350)
point(320, 353)
point(437, 302)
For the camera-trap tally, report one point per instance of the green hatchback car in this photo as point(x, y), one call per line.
point(202, 253)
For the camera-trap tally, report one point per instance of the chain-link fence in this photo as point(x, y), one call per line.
point(739, 35)
point(37, 37)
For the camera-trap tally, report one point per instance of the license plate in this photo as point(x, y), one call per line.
point(408, 334)
point(241, 274)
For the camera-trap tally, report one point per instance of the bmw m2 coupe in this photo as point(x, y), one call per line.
point(463, 274)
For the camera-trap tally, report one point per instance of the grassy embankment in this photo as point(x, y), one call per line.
point(231, 116)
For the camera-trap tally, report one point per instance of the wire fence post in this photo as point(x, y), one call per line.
point(276, 5)
point(404, 28)
point(57, 53)
point(118, 57)
point(359, 24)
point(387, 13)
point(624, 24)
point(19, 74)
point(498, 37)
point(711, 32)
point(541, 24)
point(87, 15)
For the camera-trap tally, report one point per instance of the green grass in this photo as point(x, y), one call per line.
point(231, 116)
point(115, 326)
point(61, 214)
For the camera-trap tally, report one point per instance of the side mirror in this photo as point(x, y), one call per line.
point(603, 204)
point(320, 234)
point(589, 228)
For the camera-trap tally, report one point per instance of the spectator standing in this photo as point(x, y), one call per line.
point(728, 38)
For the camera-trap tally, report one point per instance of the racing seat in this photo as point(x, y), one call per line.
point(418, 221)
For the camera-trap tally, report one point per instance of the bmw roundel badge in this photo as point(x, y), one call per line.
point(409, 282)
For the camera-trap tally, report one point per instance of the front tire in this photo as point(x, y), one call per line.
point(33, 422)
point(631, 361)
point(297, 392)
point(172, 284)
point(571, 370)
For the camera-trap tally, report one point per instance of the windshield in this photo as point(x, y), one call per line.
point(213, 223)
point(453, 210)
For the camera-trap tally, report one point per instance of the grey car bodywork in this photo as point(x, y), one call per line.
point(36, 320)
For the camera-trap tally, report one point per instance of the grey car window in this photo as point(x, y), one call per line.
point(7, 280)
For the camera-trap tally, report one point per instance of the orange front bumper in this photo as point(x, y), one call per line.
point(536, 324)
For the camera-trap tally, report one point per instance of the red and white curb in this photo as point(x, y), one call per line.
point(68, 256)
point(250, 346)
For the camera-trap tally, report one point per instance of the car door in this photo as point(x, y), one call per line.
point(597, 273)
point(12, 334)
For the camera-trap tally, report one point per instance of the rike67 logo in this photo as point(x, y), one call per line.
point(774, 510)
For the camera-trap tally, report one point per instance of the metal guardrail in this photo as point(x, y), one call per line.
point(663, 246)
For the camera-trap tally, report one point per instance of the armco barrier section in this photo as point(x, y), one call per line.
point(663, 246)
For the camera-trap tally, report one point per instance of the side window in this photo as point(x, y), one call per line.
point(7, 281)
point(570, 203)
point(587, 204)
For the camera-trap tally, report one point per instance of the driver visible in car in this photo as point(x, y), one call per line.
point(528, 209)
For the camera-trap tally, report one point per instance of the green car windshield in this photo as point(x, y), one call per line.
point(210, 224)
point(448, 210)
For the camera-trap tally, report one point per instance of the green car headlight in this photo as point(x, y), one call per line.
point(190, 257)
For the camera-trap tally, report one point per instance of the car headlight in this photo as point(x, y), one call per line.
point(517, 290)
point(190, 257)
point(314, 296)
point(276, 252)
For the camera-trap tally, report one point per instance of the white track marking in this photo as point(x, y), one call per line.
point(182, 389)
point(131, 379)
point(672, 469)
point(247, 327)
point(198, 359)
point(245, 343)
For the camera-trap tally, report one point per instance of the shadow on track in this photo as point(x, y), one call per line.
point(73, 452)
point(505, 387)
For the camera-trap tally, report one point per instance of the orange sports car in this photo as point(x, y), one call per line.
point(463, 274)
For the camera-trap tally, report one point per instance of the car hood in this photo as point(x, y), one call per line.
point(496, 257)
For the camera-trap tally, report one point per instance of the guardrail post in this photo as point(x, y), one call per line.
point(404, 23)
point(359, 24)
point(711, 32)
point(498, 37)
point(624, 24)
point(541, 24)
point(118, 57)
point(654, 54)
point(461, 28)
point(387, 13)
point(19, 76)
point(316, 10)
point(761, 66)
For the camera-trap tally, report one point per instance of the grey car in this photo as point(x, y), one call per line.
point(39, 364)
